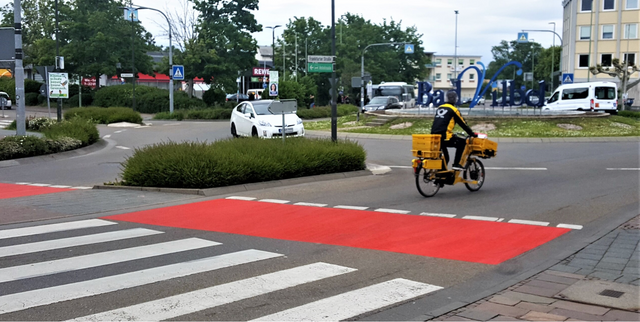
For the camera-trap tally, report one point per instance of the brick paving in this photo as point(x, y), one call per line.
point(612, 258)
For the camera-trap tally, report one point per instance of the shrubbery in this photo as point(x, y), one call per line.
point(631, 114)
point(197, 114)
point(325, 111)
point(148, 99)
point(238, 161)
point(104, 115)
point(77, 128)
point(214, 96)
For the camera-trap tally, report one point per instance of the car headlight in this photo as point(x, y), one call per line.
point(299, 121)
point(264, 123)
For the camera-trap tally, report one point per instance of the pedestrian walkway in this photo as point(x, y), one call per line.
point(598, 283)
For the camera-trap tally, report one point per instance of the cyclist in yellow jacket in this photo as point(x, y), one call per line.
point(446, 118)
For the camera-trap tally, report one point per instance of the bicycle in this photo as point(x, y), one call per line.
point(430, 168)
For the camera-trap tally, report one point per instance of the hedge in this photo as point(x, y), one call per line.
point(104, 115)
point(148, 99)
point(238, 161)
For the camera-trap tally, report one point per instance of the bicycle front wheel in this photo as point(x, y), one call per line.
point(426, 182)
point(474, 172)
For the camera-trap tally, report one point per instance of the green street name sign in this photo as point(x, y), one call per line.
point(320, 67)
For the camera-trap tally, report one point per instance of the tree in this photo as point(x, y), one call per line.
point(543, 67)
point(622, 71)
point(224, 33)
point(525, 53)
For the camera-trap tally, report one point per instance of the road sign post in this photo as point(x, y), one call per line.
point(177, 72)
point(567, 78)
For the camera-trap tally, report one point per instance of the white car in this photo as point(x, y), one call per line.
point(253, 118)
point(7, 99)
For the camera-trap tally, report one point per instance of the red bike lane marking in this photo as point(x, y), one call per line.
point(17, 190)
point(448, 238)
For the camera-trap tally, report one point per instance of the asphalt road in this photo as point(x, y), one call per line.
point(578, 184)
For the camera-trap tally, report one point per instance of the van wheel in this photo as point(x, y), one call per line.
point(613, 112)
point(234, 133)
point(254, 132)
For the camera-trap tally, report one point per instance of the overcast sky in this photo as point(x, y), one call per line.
point(481, 23)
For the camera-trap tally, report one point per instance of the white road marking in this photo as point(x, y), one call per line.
point(310, 204)
point(393, 211)
point(75, 241)
point(274, 201)
point(122, 147)
point(623, 169)
point(44, 229)
point(218, 295)
point(486, 168)
point(106, 136)
point(23, 183)
point(241, 198)
point(119, 131)
point(40, 184)
point(99, 259)
point(25, 300)
point(528, 222)
point(59, 186)
point(351, 207)
point(437, 215)
point(82, 188)
point(578, 227)
point(481, 218)
point(354, 303)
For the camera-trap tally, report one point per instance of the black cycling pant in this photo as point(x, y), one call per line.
point(454, 142)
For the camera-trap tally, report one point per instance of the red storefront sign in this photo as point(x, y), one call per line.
point(260, 71)
point(89, 81)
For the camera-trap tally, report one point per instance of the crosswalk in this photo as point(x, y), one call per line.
point(19, 247)
point(4, 123)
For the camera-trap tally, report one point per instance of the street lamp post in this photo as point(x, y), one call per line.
point(296, 56)
point(273, 48)
point(455, 50)
point(533, 57)
point(555, 33)
point(362, 73)
point(553, 54)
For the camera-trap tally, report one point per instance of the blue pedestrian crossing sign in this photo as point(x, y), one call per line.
point(177, 72)
point(408, 48)
point(567, 78)
point(523, 37)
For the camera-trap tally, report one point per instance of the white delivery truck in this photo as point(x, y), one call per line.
point(592, 96)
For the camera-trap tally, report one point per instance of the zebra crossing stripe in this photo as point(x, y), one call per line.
point(99, 259)
point(220, 294)
point(354, 303)
point(55, 294)
point(75, 241)
point(43, 229)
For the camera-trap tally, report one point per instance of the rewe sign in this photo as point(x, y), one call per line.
point(260, 71)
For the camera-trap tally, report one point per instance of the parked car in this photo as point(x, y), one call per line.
point(380, 103)
point(257, 93)
point(253, 118)
point(7, 100)
point(596, 96)
point(241, 97)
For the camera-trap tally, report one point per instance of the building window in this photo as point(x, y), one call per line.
point(472, 61)
point(449, 76)
point(586, 5)
point(630, 31)
point(438, 76)
point(607, 32)
point(472, 76)
point(608, 5)
point(449, 61)
point(605, 60)
point(631, 4)
point(585, 32)
point(438, 62)
point(460, 61)
point(583, 61)
point(630, 59)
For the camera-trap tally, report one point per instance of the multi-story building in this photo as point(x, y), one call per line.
point(442, 71)
point(596, 32)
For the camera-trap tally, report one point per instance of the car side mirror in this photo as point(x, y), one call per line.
point(249, 115)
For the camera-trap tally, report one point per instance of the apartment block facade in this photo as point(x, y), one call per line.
point(443, 69)
point(597, 31)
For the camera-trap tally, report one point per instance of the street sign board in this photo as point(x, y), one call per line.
point(131, 14)
point(528, 77)
point(58, 85)
point(523, 37)
point(177, 72)
point(320, 67)
point(567, 78)
point(8, 49)
point(126, 75)
point(283, 106)
point(408, 48)
point(273, 83)
point(320, 59)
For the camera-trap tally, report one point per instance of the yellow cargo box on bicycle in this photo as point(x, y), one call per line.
point(430, 168)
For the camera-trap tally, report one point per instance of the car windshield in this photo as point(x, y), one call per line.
point(378, 100)
point(262, 108)
point(5, 95)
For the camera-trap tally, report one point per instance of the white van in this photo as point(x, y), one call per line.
point(592, 96)
point(257, 93)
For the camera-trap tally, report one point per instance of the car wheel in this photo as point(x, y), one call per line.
point(234, 133)
point(254, 132)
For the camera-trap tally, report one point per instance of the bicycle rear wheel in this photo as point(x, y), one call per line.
point(474, 172)
point(426, 182)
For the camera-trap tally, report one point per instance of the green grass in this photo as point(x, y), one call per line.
point(505, 127)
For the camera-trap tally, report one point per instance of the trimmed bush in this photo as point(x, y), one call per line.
point(14, 147)
point(31, 99)
point(31, 86)
point(214, 96)
point(148, 99)
point(325, 111)
point(104, 115)
point(631, 114)
point(77, 128)
point(197, 114)
point(8, 85)
point(238, 161)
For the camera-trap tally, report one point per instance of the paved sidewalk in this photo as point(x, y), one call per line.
point(598, 283)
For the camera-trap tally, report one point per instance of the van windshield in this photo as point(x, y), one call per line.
point(605, 93)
